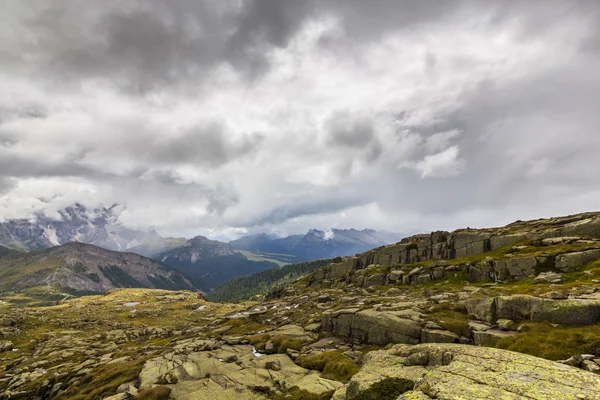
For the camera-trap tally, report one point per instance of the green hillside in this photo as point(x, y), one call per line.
point(244, 287)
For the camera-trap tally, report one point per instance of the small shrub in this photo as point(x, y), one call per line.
point(387, 389)
point(452, 318)
point(554, 343)
point(103, 381)
point(333, 364)
point(297, 394)
point(281, 343)
point(155, 393)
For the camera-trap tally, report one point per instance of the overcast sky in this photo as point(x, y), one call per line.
point(225, 117)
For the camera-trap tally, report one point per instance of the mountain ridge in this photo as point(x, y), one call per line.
point(317, 244)
point(82, 267)
point(210, 263)
point(100, 227)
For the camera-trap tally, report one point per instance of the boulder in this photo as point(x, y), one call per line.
point(375, 280)
point(374, 327)
point(393, 292)
point(590, 366)
point(497, 242)
point(480, 272)
point(490, 337)
point(478, 326)
point(5, 345)
point(324, 298)
point(517, 307)
point(571, 262)
point(438, 336)
point(515, 268)
point(507, 325)
point(549, 277)
point(567, 312)
point(530, 308)
point(453, 371)
point(482, 308)
point(586, 227)
point(395, 275)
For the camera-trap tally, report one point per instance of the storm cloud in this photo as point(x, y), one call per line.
point(223, 117)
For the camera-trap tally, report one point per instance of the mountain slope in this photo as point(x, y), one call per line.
point(85, 268)
point(317, 244)
point(210, 263)
point(157, 247)
point(100, 227)
point(244, 287)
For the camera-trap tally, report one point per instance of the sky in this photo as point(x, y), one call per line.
point(223, 117)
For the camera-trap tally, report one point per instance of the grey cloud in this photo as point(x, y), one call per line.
point(143, 46)
point(209, 144)
point(6, 185)
point(326, 201)
point(349, 132)
point(262, 22)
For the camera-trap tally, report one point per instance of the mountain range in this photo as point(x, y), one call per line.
point(100, 227)
point(207, 263)
point(316, 244)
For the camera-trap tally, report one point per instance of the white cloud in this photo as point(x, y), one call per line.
point(440, 165)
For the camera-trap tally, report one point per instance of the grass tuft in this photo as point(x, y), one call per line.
point(554, 343)
point(333, 364)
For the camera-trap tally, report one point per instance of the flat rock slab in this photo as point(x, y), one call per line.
point(454, 371)
point(375, 327)
point(230, 373)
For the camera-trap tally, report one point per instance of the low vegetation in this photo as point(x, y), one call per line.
point(554, 342)
point(103, 381)
point(297, 394)
point(333, 364)
point(387, 389)
point(280, 343)
point(452, 317)
point(155, 393)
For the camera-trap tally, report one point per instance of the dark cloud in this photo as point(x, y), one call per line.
point(143, 46)
point(210, 144)
point(349, 132)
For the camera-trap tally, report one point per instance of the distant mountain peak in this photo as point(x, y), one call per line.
point(75, 223)
point(317, 243)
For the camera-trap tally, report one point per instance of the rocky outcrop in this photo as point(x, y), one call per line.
point(501, 270)
point(371, 326)
point(530, 308)
point(5, 345)
point(230, 372)
point(452, 371)
point(573, 261)
point(441, 245)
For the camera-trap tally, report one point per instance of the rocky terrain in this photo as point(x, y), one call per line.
point(507, 313)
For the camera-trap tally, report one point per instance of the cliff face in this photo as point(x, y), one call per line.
point(581, 230)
